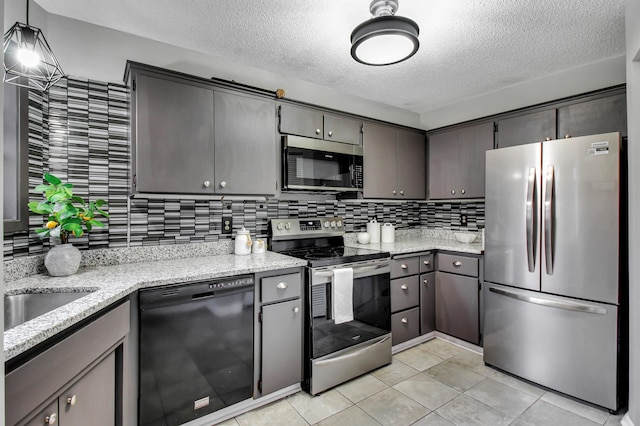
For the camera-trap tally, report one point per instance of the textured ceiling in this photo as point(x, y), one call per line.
point(468, 47)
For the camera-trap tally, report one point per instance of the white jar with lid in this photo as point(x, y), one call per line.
point(243, 242)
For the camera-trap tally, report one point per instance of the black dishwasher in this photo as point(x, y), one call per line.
point(196, 349)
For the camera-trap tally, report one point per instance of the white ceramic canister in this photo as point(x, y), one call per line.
point(259, 246)
point(243, 242)
point(388, 233)
point(373, 229)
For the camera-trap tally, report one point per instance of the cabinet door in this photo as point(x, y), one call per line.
point(443, 155)
point(341, 129)
point(245, 145)
point(593, 117)
point(457, 306)
point(427, 302)
point(48, 416)
point(301, 122)
point(281, 362)
point(173, 136)
point(411, 165)
point(527, 128)
point(379, 143)
point(473, 143)
point(91, 400)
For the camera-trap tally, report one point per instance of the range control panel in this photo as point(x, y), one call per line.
point(292, 228)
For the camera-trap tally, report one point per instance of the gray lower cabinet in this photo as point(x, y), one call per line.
point(427, 303)
point(394, 163)
point(312, 123)
point(278, 330)
point(527, 128)
point(78, 381)
point(457, 297)
point(456, 161)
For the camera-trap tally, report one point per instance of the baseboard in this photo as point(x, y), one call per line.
point(626, 420)
point(413, 342)
point(462, 343)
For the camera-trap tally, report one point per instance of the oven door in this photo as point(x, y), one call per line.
point(371, 308)
point(312, 169)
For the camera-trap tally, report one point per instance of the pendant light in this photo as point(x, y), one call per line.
point(385, 39)
point(28, 59)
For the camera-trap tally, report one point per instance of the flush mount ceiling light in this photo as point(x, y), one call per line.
point(384, 39)
point(28, 59)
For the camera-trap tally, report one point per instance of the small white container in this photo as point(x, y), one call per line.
point(243, 242)
point(373, 229)
point(258, 246)
point(363, 238)
point(388, 233)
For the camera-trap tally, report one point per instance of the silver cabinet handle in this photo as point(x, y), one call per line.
point(72, 400)
point(462, 191)
point(223, 184)
point(318, 131)
point(404, 266)
point(50, 419)
point(547, 139)
point(401, 192)
point(296, 310)
point(548, 219)
point(404, 320)
point(457, 263)
point(426, 282)
point(206, 183)
point(531, 219)
point(394, 192)
point(453, 192)
point(567, 136)
point(330, 133)
point(404, 287)
point(282, 285)
point(427, 262)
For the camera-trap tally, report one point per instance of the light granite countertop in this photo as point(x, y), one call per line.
point(412, 241)
point(111, 283)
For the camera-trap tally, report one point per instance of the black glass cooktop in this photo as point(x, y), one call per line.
point(333, 255)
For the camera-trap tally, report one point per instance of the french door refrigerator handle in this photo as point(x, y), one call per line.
point(568, 306)
point(548, 218)
point(531, 219)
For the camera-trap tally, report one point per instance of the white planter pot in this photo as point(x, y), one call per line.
point(62, 260)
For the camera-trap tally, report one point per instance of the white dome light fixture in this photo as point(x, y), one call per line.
point(385, 39)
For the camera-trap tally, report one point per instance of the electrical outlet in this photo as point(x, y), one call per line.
point(227, 224)
point(463, 219)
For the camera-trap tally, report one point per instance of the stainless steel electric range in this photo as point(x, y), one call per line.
point(338, 351)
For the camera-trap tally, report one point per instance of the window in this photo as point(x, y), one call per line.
point(16, 161)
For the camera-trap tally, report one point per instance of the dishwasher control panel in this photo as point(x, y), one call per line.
point(231, 283)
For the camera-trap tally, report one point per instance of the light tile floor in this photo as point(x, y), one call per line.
point(436, 383)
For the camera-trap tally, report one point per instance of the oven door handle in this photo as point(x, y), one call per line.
point(356, 270)
point(353, 354)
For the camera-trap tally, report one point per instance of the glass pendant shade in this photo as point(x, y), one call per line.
point(385, 40)
point(28, 59)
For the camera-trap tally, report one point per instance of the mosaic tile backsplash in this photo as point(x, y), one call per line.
point(79, 132)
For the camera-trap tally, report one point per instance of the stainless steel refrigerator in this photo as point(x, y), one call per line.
point(553, 265)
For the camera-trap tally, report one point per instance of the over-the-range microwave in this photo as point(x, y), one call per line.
point(317, 165)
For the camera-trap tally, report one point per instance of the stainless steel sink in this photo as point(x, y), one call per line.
point(20, 308)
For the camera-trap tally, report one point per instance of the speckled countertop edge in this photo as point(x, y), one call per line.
point(417, 240)
point(111, 283)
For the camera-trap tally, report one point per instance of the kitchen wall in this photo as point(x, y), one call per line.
point(78, 131)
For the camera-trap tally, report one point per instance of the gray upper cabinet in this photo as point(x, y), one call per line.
point(245, 148)
point(312, 123)
point(394, 163)
point(527, 128)
point(456, 161)
point(601, 115)
point(192, 137)
point(173, 136)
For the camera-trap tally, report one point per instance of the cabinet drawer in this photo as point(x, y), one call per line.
point(405, 266)
point(405, 325)
point(456, 264)
point(280, 287)
point(405, 293)
point(426, 263)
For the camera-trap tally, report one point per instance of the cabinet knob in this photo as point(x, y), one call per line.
point(296, 310)
point(427, 262)
point(206, 183)
point(453, 192)
point(50, 419)
point(404, 287)
point(426, 282)
point(567, 136)
point(223, 184)
point(547, 139)
point(318, 131)
point(404, 320)
point(462, 191)
point(457, 263)
point(404, 266)
point(394, 192)
point(72, 400)
point(401, 192)
point(330, 133)
point(282, 285)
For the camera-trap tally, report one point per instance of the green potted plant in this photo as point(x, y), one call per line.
point(68, 215)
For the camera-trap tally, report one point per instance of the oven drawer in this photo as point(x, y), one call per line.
point(404, 267)
point(426, 263)
point(462, 265)
point(405, 325)
point(405, 293)
point(280, 287)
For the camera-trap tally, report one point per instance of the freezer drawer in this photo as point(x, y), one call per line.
point(565, 344)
